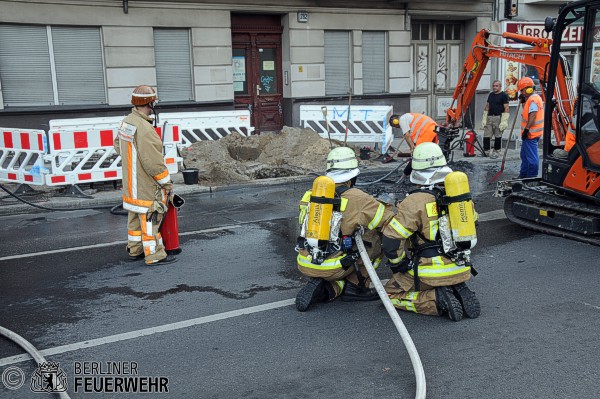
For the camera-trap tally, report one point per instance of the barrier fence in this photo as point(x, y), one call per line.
point(22, 156)
point(80, 150)
point(209, 125)
point(366, 123)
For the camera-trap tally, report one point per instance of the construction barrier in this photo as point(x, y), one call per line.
point(85, 156)
point(208, 125)
point(22, 156)
point(367, 123)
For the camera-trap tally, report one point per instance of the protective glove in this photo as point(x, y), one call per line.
point(484, 119)
point(168, 186)
point(525, 134)
point(503, 121)
point(401, 267)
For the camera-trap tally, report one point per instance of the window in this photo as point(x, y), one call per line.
point(337, 62)
point(420, 31)
point(374, 62)
point(173, 64)
point(43, 65)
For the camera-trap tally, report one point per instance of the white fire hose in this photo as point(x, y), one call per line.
point(410, 346)
point(33, 352)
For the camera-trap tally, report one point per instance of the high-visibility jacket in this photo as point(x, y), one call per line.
point(358, 209)
point(537, 128)
point(142, 162)
point(422, 129)
point(569, 139)
point(417, 214)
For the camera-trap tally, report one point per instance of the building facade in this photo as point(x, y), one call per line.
point(76, 58)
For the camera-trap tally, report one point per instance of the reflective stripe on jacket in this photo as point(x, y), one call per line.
point(421, 129)
point(143, 164)
point(537, 128)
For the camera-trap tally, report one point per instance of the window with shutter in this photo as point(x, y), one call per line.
point(374, 62)
point(173, 64)
point(41, 65)
point(25, 72)
point(337, 62)
point(79, 65)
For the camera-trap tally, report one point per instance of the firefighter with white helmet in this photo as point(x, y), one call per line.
point(329, 215)
point(428, 241)
point(146, 181)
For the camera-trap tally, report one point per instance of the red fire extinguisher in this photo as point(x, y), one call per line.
point(469, 144)
point(169, 230)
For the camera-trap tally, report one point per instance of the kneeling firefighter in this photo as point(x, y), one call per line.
point(329, 216)
point(428, 241)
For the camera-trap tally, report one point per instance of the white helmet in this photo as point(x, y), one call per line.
point(342, 164)
point(429, 165)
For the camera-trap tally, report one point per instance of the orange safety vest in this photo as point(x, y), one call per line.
point(421, 129)
point(569, 140)
point(537, 128)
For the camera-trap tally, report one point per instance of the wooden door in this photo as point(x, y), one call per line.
point(257, 69)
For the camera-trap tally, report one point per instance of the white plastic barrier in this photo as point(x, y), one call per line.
point(368, 123)
point(208, 125)
point(80, 154)
point(22, 155)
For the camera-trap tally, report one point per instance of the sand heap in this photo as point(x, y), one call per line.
point(234, 158)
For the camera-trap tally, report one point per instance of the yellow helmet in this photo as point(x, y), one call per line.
point(143, 95)
point(342, 164)
point(429, 164)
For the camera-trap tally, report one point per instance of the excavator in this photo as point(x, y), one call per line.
point(565, 200)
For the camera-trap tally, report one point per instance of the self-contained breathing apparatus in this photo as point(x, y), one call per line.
point(456, 234)
point(320, 232)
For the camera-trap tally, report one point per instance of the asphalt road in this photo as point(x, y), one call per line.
point(220, 323)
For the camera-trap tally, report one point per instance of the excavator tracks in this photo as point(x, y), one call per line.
point(550, 213)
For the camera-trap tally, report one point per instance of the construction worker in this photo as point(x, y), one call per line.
point(532, 126)
point(147, 184)
point(495, 118)
point(417, 129)
point(425, 280)
point(341, 273)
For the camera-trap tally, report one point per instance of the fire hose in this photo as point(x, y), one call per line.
point(29, 348)
point(408, 343)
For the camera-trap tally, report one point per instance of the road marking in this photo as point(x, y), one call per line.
point(149, 331)
point(589, 304)
point(109, 244)
point(493, 215)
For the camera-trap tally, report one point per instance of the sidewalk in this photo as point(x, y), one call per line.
point(51, 198)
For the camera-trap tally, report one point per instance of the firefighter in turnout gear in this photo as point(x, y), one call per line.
point(427, 248)
point(147, 184)
point(329, 215)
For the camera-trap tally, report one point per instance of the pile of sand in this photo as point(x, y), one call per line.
point(235, 158)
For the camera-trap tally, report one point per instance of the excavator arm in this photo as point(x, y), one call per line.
point(536, 55)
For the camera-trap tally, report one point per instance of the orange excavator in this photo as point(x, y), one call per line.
point(565, 200)
point(537, 54)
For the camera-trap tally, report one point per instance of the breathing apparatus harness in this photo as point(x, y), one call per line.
point(336, 242)
point(445, 242)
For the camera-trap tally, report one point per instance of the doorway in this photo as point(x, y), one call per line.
point(438, 58)
point(257, 85)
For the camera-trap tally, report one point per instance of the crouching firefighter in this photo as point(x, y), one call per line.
point(329, 215)
point(428, 241)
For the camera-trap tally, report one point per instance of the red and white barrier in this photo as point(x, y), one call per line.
point(22, 156)
point(82, 156)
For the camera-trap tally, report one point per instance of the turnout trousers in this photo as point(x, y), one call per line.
point(143, 237)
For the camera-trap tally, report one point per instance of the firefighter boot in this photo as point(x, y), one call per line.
point(353, 292)
point(467, 298)
point(313, 292)
point(447, 303)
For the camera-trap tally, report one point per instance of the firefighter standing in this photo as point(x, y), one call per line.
point(336, 275)
point(146, 181)
point(532, 126)
point(411, 244)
